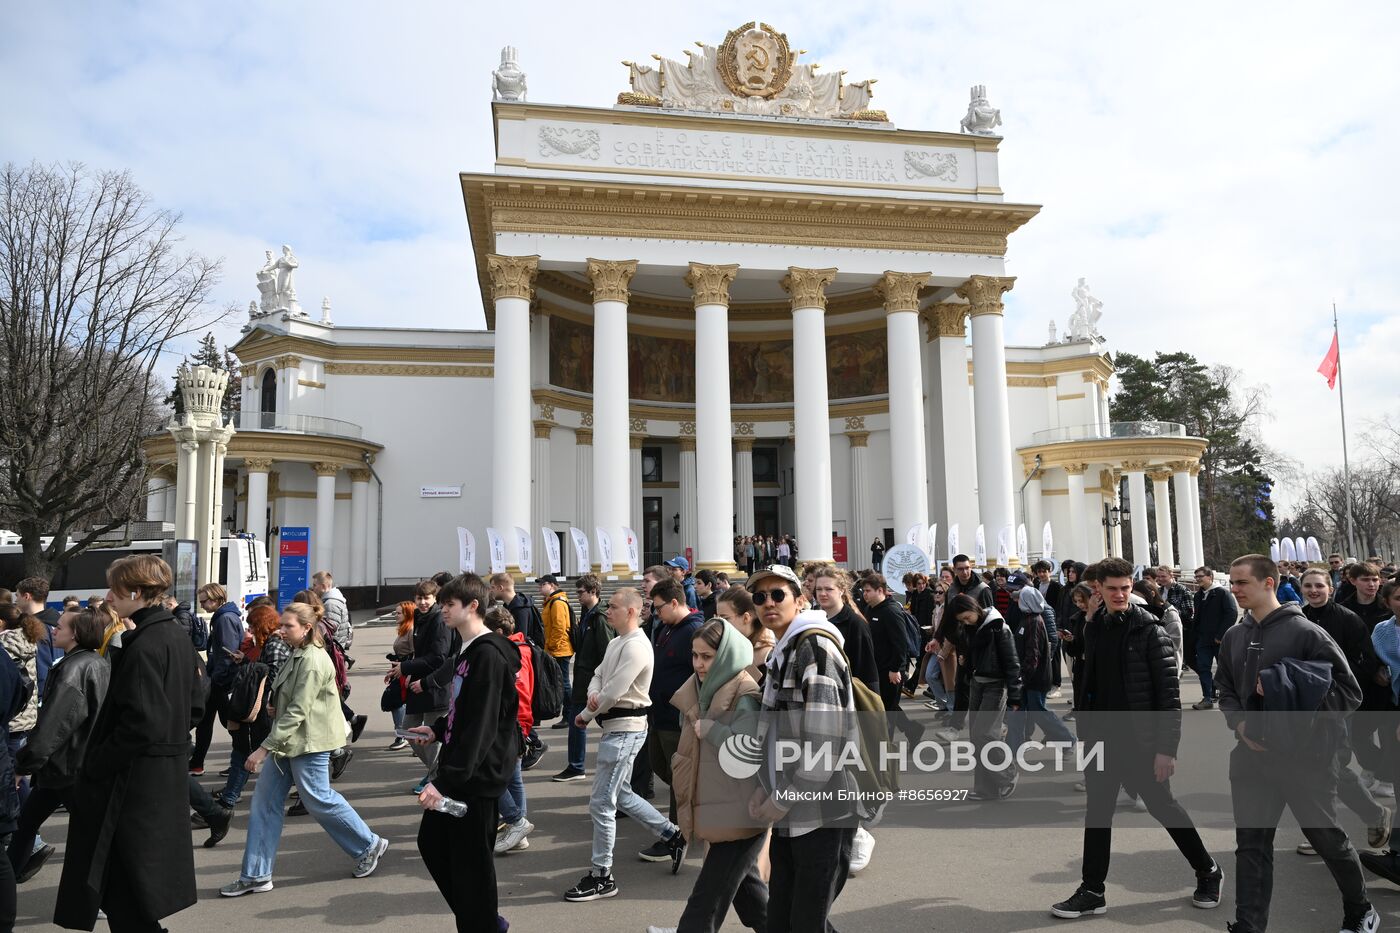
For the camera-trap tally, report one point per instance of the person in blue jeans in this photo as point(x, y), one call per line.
point(308, 726)
point(618, 699)
point(1215, 611)
point(596, 633)
point(1037, 658)
point(515, 831)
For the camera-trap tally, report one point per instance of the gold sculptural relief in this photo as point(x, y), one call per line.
point(611, 278)
point(983, 293)
point(900, 290)
point(711, 283)
point(755, 62)
point(512, 276)
point(807, 286)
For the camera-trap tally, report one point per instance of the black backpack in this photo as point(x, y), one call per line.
point(547, 702)
point(913, 637)
point(247, 695)
point(577, 633)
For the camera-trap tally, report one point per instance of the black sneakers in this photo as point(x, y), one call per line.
point(341, 761)
point(677, 846)
point(591, 888)
point(533, 753)
point(658, 851)
point(1082, 903)
point(1207, 893)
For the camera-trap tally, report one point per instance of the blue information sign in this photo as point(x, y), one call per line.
point(293, 563)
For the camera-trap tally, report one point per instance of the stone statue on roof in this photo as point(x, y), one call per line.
point(508, 81)
point(1083, 323)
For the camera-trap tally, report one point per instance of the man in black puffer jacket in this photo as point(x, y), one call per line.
point(1132, 705)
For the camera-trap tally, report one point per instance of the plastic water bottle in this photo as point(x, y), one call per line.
point(451, 807)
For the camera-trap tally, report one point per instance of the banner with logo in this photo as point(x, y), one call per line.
point(1023, 545)
point(523, 543)
point(605, 554)
point(952, 542)
point(1004, 547)
point(917, 535)
point(634, 555)
point(980, 547)
point(580, 549)
point(466, 551)
point(498, 550)
point(1047, 543)
point(1314, 550)
point(551, 550)
point(932, 548)
point(902, 559)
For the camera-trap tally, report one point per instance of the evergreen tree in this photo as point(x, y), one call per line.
point(210, 355)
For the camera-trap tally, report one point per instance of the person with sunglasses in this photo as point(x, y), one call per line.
point(808, 681)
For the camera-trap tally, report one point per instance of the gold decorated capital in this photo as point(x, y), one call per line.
point(743, 444)
point(322, 468)
point(1134, 466)
point(858, 438)
point(1179, 466)
point(637, 441)
point(687, 444)
point(1196, 468)
point(807, 286)
point(945, 319)
point(583, 437)
point(512, 276)
point(543, 430)
point(711, 283)
point(1159, 475)
point(983, 293)
point(257, 464)
point(359, 476)
point(900, 290)
point(1076, 469)
point(611, 278)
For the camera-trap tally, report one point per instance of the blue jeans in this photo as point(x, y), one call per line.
point(933, 676)
point(1021, 726)
point(1205, 660)
point(313, 779)
point(396, 714)
point(578, 739)
point(512, 802)
point(612, 790)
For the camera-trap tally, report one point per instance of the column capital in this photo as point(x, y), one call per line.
point(900, 290)
point(512, 276)
point(611, 278)
point(945, 319)
point(637, 441)
point(983, 293)
point(1159, 475)
point(248, 370)
point(583, 437)
point(807, 286)
point(1195, 468)
point(1135, 466)
point(1179, 466)
point(1075, 469)
point(257, 464)
point(858, 438)
point(287, 361)
point(1028, 467)
point(711, 283)
point(359, 476)
point(687, 444)
point(543, 429)
point(743, 444)
point(323, 468)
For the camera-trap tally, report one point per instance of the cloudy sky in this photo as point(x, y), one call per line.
point(1221, 173)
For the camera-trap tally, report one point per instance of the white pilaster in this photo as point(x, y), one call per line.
point(690, 503)
point(512, 279)
point(256, 520)
point(1199, 528)
point(908, 455)
point(634, 475)
point(1034, 519)
point(172, 493)
point(861, 528)
point(1161, 507)
point(743, 484)
point(1185, 520)
point(323, 534)
point(992, 418)
point(951, 478)
point(216, 510)
point(1077, 547)
point(204, 510)
point(539, 494)
point(714, 456)
point(1137, 510)
point(583, 492)
point(359, 527)
point(155, 498)
point(612, 507)
point(290, 373)
point(811, 416)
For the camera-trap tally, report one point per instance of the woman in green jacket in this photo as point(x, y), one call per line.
point(307, 726)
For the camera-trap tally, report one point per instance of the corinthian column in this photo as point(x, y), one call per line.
point(743, 485)
point(859, 530)
point(583, 489)
point(539, 494)
point(1185, 533)
point(908, 461)
point(810, 415)
point(714, 457)
point(1077, 544)
point(611, 471)
point(992, 413)
point(1137, 511)
point(1162, 511)
point(512, 281)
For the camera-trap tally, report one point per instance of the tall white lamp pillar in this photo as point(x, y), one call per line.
point(323, 535)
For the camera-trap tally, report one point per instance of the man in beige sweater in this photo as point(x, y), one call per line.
point(618, 700)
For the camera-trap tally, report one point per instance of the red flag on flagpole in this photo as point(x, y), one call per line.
point(1329, 363)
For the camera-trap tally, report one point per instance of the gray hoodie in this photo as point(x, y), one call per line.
point(1284, 633)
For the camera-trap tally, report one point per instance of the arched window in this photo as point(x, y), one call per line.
point(267, 403)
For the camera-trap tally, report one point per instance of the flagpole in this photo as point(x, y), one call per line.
point(1341, 401)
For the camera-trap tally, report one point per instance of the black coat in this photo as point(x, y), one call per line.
point(432, 642)
point(589, 652)
point(1215, 610)
point(1150, 683)
point(480, 756)
point(991, 652)
point(130, 806)
point(1350, 634)
point(888, 636)
point(921, 607)
point(10, 705)
point(859, 646)
point(73, 697)
point(1033, 651)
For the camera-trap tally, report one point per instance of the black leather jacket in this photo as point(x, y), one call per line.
point(73, 694)
point(991, 652)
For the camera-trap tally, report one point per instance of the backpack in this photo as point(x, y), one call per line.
point(534, 628)
point(342, 672)
point(24, 689)
point(913, 637)
point(879, 773)
point(196, 625)
point(548, 700)
point(247, 695)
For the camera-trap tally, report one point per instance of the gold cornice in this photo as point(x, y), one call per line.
point(512, 276)
point(711, 283)
point(945, 319)
point(569, 401)
point(261, 347)
point(1099, 364)
point(277, 446)
point(1123, 453)
point(408, 369)
point(688, 332)
point(900, 290)
point(610, 278)
point(807, 286)
point(983, 293)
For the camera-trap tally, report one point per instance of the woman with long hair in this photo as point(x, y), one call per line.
point(263, 645)
point(396, 688)
point(995, 687)
point(306, 728)
point(20, 639)
point(736, 607)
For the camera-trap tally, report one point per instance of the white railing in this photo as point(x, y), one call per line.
point(1095, 432)
point(296, 424)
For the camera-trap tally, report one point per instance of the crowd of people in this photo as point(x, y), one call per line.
point(754, 551)
point(111, 709)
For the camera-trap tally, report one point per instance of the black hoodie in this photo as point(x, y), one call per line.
point(480, 736)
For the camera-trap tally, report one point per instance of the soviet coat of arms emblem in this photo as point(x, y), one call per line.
point(755, 60)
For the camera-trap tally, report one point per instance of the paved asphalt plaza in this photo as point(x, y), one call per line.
point(992, 867)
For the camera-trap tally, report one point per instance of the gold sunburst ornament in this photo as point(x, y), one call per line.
point(755, 61)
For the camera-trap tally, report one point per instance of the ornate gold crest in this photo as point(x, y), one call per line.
point(755, 60)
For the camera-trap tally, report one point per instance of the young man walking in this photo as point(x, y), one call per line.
point(1254, 661)
point(588, 654)
point(1215, 612)
point(558, 617)
point(672, 668)
point(1132, 704)
point(966, 581)
point(618, 699)
point(480, 744)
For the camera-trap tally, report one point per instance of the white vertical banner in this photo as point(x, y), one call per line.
point(522, 543)
point(1047, 543)
point(952, 542)
point(551, 550)
point(580, 549)
point(466, 551)
point(980, 544)
point(1314, 550)
point(1004, 546)
point(932, 549)
point(1275, 553)
point(1287, 550)
point(605, 554)
point(498, 550)
point(916, 535)
point(1300, 547)
point(634, 556)
point(1023, 545)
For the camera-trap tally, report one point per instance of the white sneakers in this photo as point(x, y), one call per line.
point(513, 836)
point(861, 849)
